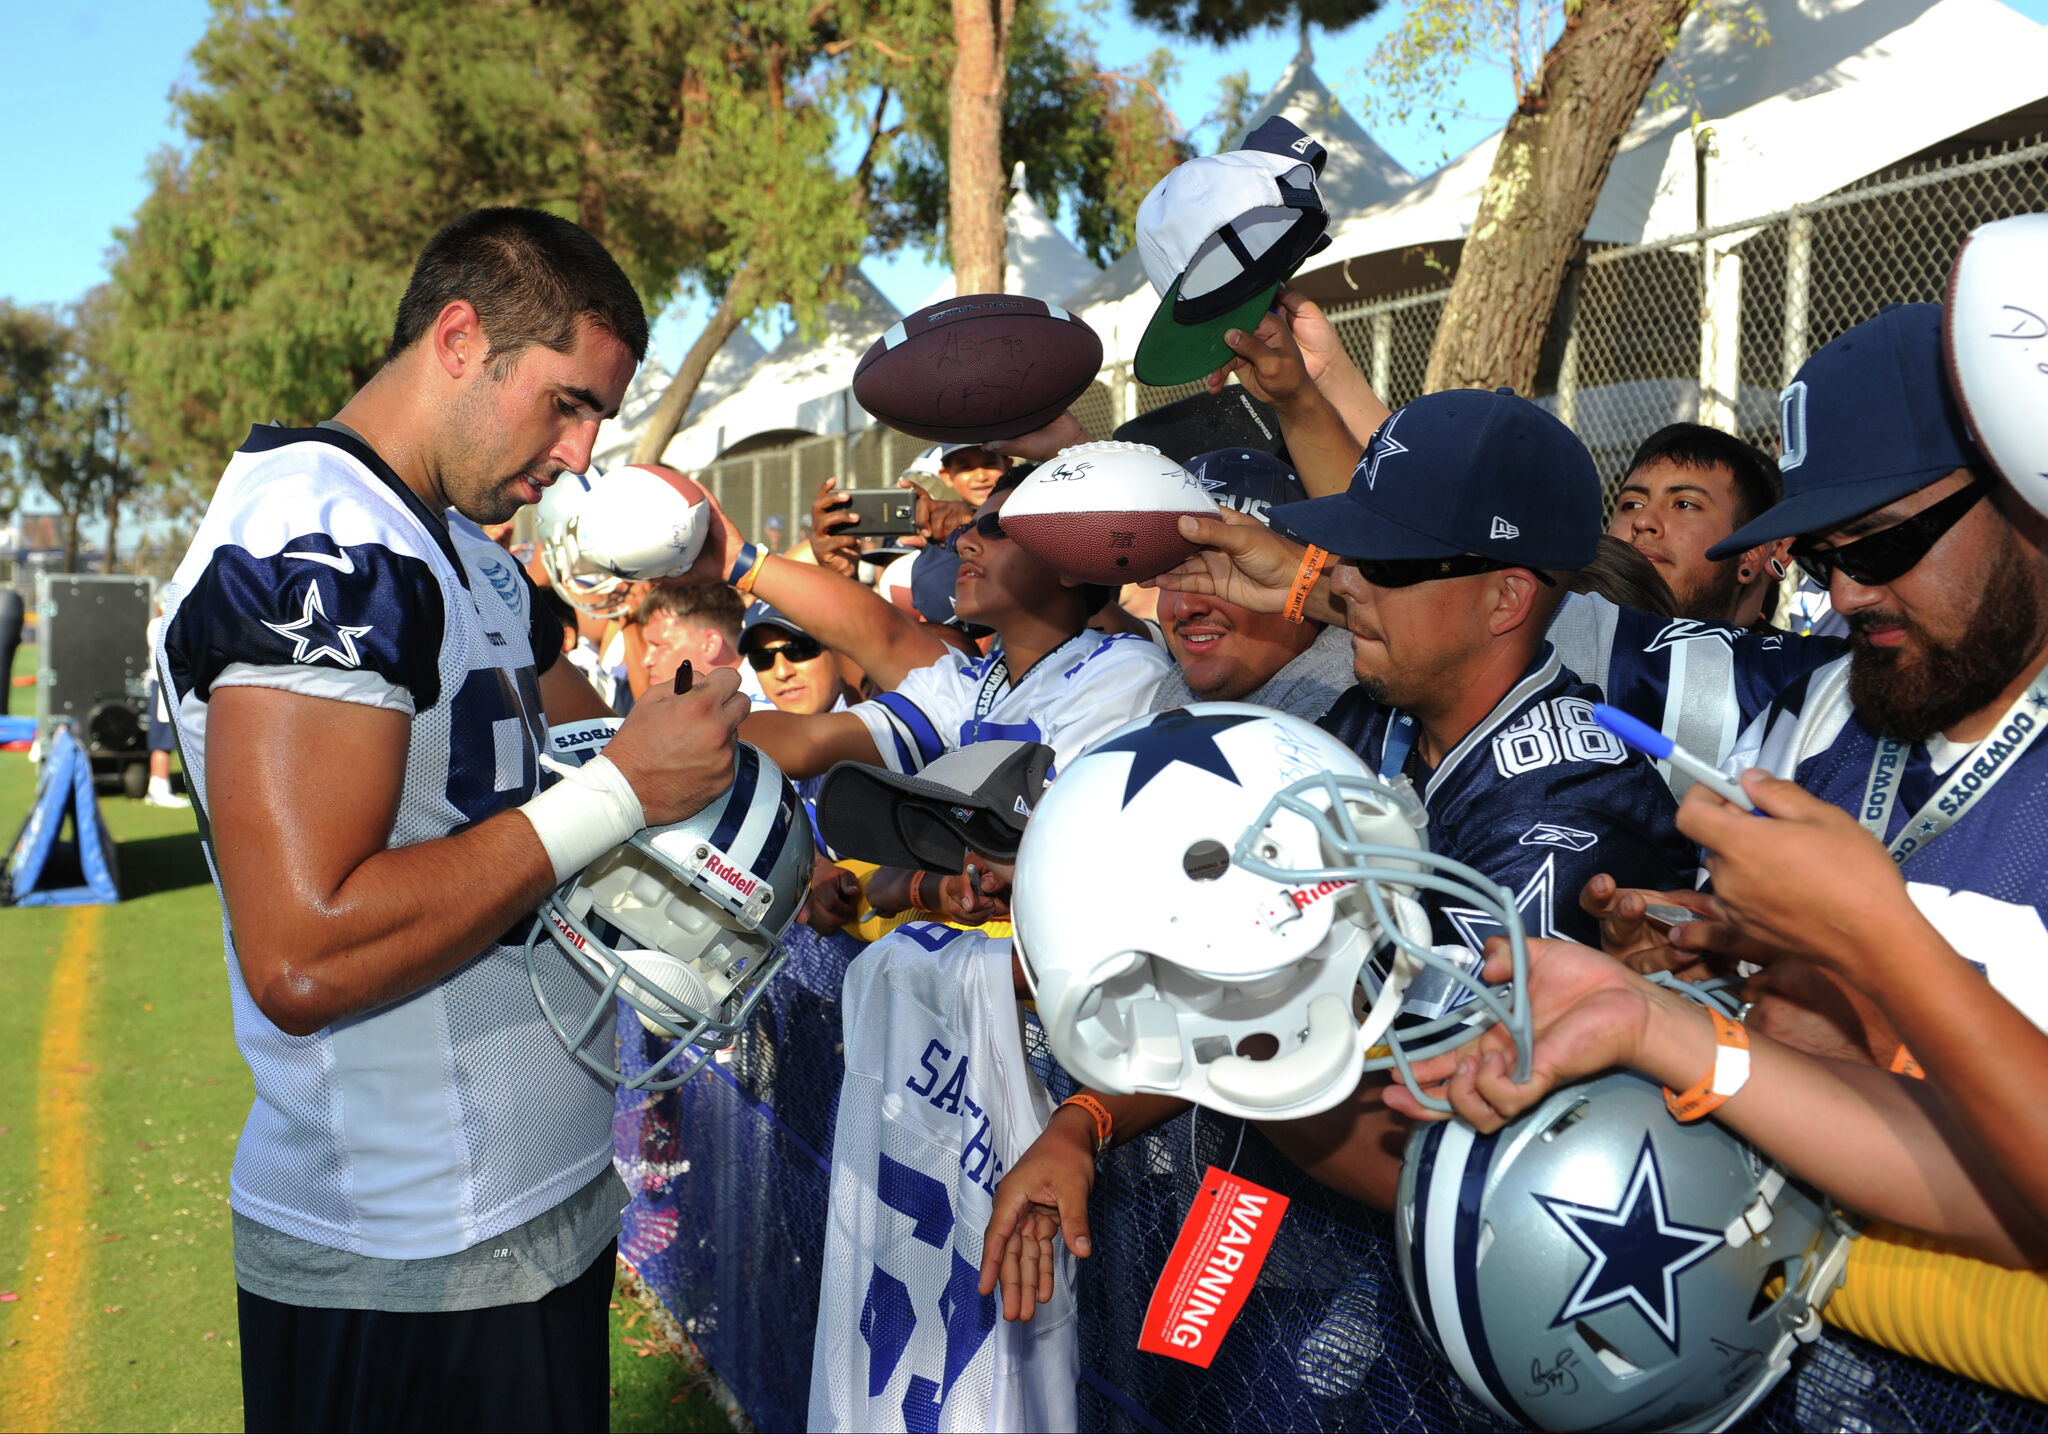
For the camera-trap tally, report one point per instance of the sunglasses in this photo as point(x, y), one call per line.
point(1890, 553)
point(988, 525)
point(1407, 572)
point(798, 650)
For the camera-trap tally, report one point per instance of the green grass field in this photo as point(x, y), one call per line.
point(118, 1122)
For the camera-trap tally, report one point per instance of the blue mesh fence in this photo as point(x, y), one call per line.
point(731, 1174)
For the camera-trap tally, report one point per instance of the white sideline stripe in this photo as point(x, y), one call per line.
point(1441, 1218)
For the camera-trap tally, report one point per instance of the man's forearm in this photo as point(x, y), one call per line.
point(850, 618)
point(1324, 451)
point(392, 928)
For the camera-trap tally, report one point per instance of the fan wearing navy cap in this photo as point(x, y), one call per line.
point(797, 672)
point(1228, 653)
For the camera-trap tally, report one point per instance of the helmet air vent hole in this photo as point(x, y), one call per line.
point(1209, 1048)
point(1617, 1363)
point(1205, 860)
point(1769, 1292)
point(1566, 1121)
point(1259, 1046)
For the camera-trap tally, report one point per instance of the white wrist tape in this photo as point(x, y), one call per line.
point(583, 816)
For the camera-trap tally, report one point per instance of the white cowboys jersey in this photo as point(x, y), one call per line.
point(938, 1102)
point(1083, 689)
point(434, 1123)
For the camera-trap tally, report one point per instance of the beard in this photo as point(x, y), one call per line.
point(1921, 687)
point(1712, 597)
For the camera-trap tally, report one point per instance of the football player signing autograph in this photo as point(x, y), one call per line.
point(424, 1203)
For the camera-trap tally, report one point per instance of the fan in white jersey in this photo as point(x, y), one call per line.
point(423, 1198)
point(1047, 676)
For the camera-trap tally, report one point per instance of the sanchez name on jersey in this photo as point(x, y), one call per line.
point(1088, 686)
point(1982, 882)
point(411, 1131)
point(1539, 797)
point(937, 1102)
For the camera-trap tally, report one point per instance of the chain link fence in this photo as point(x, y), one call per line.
point(1705, 326)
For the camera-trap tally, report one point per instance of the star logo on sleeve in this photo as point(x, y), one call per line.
point(1534, 901)
point(1176, 736)
point(1383, 446)
point(314, 637)
point(1637, 1251)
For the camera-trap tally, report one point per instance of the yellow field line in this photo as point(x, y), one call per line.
point(33, 1382)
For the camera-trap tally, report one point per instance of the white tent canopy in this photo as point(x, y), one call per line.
point(1841, 90)
point(1037, 259)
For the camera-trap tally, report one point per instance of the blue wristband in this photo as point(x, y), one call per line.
point(749, 555)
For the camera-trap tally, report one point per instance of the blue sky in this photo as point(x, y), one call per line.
point(73, 169)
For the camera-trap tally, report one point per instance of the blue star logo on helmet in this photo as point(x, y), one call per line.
point(1637, 1251)
point(1177, 736)
point(1383, 446)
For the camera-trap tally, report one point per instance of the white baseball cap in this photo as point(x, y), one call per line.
point(1218, 236)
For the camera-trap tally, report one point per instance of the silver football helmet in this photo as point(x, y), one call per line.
point(1596, 1265)
point(683, 923)
point(1264, 940)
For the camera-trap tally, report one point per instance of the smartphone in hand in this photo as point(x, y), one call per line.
point(880, 513)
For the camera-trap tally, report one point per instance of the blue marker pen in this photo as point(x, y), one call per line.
point(1647, 739)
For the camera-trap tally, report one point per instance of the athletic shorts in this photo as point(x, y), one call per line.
point(544, 1365)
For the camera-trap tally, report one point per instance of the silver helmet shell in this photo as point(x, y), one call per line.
point(684, 922)
point(1595, 1264)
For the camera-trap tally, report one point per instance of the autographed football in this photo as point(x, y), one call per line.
point(633, 524)
point(1994, 330)
point(979, 367)
point(1106, 512)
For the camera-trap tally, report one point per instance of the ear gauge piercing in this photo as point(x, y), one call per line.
point(1746, 574)
point(1777, 566)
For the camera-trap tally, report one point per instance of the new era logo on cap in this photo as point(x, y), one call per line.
point(1502, 528)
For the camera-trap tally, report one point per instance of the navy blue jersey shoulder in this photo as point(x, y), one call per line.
point(1539, 798)
point(1764, 663)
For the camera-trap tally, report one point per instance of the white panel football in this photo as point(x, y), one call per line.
point(1995, 332)
point(1107, 512)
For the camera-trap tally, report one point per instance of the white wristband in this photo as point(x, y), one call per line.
point(583, 816)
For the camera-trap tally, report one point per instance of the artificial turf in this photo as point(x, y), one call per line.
point(122, 1313)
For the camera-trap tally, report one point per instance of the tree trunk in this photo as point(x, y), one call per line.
point(71, 540)
point(113, 531)
point(1546, 178)
point(975, 183)
point(675, 399)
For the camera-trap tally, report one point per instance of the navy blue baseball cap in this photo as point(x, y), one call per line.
point(760, 615)
point(1249, 480)
point(933, 577)
point(1463, 471)
point(1867, 420)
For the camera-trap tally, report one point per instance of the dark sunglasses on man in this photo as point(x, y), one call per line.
point(1890, 553)
point(798, 650)
point(1407, 572)
point(988, 525)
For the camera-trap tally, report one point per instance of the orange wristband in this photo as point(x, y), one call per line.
point(1095, 1108)
point(1725, 1077)
point(1305, 581)
point(1904, 1064)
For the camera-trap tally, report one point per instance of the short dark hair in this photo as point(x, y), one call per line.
point(530, 276)
point(1694, 445)
point(711, 605)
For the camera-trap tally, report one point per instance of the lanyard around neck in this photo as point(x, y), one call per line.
point(1979, 770)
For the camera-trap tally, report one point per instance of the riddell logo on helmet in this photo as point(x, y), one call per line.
point(568, 932)
point(732, 876)
point(1306, 896)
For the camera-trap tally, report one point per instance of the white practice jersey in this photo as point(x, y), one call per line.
point(436, 1122)
point(1083, 689)
point(938, 1102)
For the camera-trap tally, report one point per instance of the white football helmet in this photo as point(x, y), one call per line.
point(1221, 878)
point(684, 922)
point(601, 533)
point(1994, 330)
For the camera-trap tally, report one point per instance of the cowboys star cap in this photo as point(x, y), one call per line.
point(1463, 471)
point(1247, 480)
point(975, 799)
point(1218, 236)
point(1867, 420)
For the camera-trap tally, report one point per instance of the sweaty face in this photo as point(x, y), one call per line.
point(997, 578)
point(1672, 514)
point(1227, 652)
point(1941, 641)
point(1409, 645)
point(804, 688)
point(507, 438)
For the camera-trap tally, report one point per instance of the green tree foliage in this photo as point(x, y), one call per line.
point(1224, 22)
point(64, 417)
